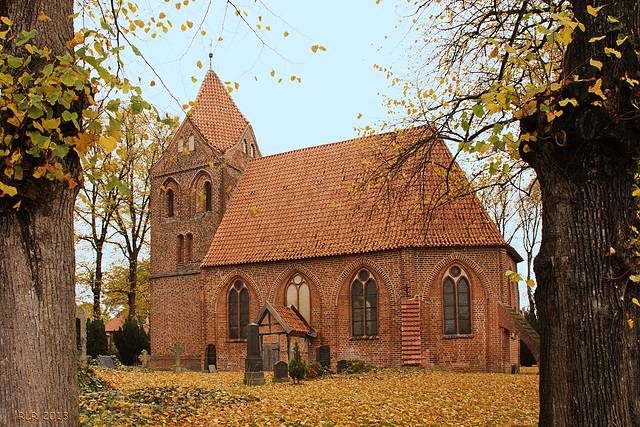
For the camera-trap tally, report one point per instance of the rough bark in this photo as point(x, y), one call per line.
point(37, 297)
point(133, 285)
point(586, 162)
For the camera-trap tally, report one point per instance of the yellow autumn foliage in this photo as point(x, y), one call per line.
point(385, 397)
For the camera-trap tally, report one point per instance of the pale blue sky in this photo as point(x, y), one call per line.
point(337, 85)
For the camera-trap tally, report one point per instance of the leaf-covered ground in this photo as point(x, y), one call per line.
point(388, 397)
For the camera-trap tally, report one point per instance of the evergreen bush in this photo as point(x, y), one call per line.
point(130, 340)
point(97, 342)
point(297, 367)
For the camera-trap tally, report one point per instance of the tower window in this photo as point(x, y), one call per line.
point(207, 196)
point(169, 203)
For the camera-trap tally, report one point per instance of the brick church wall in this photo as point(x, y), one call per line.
point(399, 273)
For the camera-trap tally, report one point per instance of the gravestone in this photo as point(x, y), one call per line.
point(177, 349)
point(342, 365)
point(515, 369)
point(253, 374)
point(81, 337)
point(323, 356)
point(281, 372)
point(107, 362)
point(144, 358)
point(210, 358)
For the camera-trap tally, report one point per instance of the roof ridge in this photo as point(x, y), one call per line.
point(329, 144)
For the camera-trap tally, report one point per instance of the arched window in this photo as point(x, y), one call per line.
point(207, 196)
point(192, 143)
point(298, 295)
point(188, 248)
point(238, 311)
point(244, 146)
point(456, 295)
point(253, 151)
point(179, 250)
point(364, 305)
point(169, 203)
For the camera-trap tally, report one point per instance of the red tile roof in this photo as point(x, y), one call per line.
point(288, 317)
point(301, 204)
point(216, 115)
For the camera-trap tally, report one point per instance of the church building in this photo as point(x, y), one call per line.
point(309, 245)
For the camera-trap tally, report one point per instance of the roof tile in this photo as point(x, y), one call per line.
point(307, 205)
point(216, 115)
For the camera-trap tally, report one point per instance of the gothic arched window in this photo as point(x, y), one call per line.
point(179, 250)
point(364, 305)
point(456, 298)
point(169, 203)
point(298, 294)
point(238, 303)
point(207, 196)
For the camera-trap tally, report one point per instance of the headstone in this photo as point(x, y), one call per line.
point(107, 362)
point(281, 372)
point(81, 337)
point(144, 358)
point(515, 368)
point(253, 374)
point(213, 369)
point(177, 349)
point(342, 365)
point(323, 356)
point(210, 357)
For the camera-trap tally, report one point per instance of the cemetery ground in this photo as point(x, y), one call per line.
point(383, 397)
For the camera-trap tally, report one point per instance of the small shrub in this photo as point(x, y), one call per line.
point(130, 340)
point(314, 370)
point(357, 366)
point(97, 342)
point(297, 367)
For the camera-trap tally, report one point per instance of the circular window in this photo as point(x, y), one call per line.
point(297, 279)
point(238, 285)
point(363, 275)
point(455, 271)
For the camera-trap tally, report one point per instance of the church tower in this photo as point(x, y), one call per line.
point(191, 185)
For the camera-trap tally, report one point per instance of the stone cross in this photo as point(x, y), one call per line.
point(144, 358)
point(177, 367)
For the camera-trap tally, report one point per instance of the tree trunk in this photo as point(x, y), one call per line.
point(96, 285)
point(37, 305)
point(37, 297)
point(133, 284)
point(586, 161)
point(589, 355)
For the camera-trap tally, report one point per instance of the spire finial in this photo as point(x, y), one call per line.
point(210, 61)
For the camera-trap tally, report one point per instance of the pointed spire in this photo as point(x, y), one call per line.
point(216, 115)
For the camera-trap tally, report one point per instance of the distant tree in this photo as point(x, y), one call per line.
point(144, 140)
point(130, 340)
point(94, 212)
point(97, 342)
point(297, 366)
point(117, 289)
